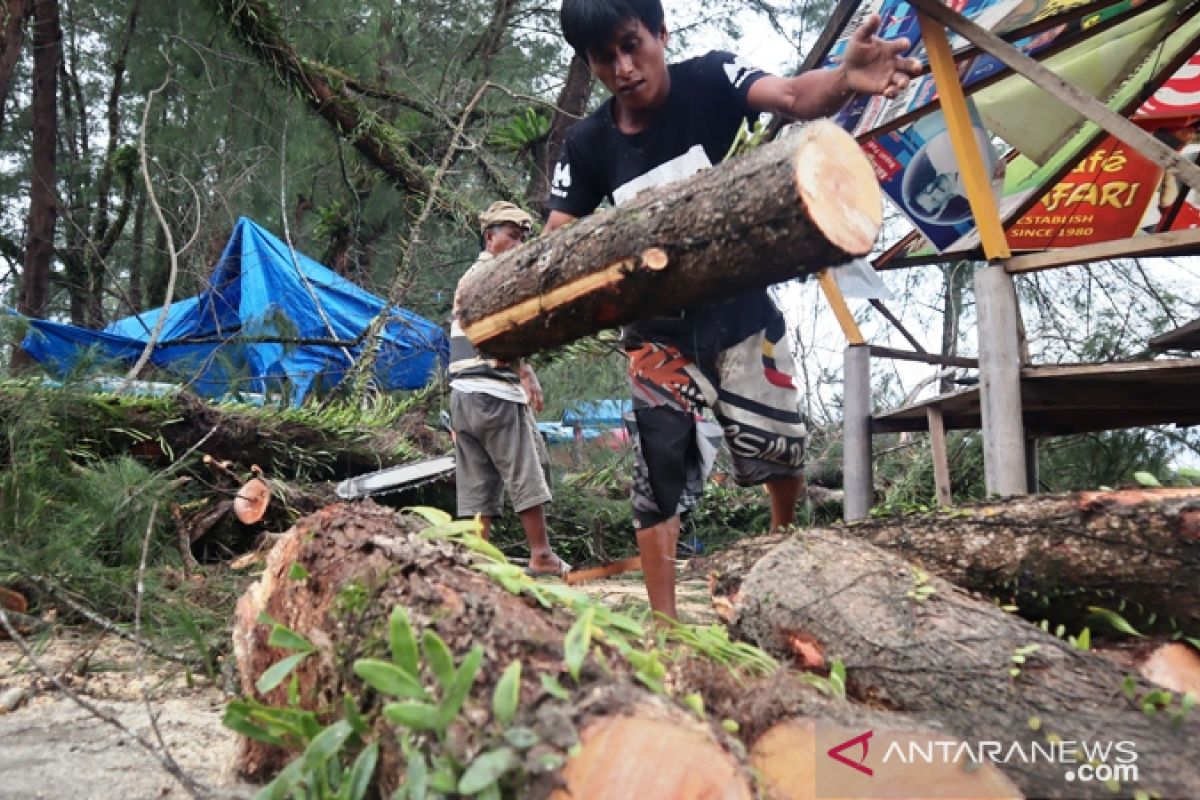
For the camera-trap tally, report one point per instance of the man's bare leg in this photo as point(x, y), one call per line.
point(784, 493)
point(485, 530)
point(541, 557)
point(656, 545)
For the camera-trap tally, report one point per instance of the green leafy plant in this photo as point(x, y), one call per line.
point(833, 685)
point(522, 131)
point(1018, 658)
point(1146, 479)
point(922, 590)
point(1159, 701)
point(1114, 620)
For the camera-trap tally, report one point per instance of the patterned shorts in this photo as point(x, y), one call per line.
point(748, 387)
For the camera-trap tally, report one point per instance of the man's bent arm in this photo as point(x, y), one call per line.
point(556, 220)
point(532, 386)
point(871, 66)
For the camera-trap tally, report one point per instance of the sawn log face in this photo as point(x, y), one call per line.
point(790, 208)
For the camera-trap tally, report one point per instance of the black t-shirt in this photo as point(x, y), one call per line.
point(693, 131)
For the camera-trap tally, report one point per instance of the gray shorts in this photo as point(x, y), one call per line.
point(496, 447)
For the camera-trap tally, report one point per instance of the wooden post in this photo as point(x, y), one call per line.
point(837, 302)
point(858, 480)
point(1032, 472)
point(1000, 383)
point(937, 450)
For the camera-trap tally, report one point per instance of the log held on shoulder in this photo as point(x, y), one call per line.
point(788, 209)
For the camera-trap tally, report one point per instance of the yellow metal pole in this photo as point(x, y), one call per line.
point(962, 136)
point(840, 310)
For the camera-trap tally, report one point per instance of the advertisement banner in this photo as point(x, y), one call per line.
point(918, 170)
point(864, 114)
point(1178, 97)
point(1103, 198)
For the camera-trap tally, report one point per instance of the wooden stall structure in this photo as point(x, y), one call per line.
point(1016, 402)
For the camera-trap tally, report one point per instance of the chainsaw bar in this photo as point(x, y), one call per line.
point(394, 479)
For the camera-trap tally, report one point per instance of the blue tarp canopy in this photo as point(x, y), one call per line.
point(605, 413)
point(240, 334)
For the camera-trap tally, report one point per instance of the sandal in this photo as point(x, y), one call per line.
point(561, 572)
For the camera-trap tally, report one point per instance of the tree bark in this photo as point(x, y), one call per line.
point(367, 552)
point(137, 263)
point(1136, 551)
point(955, 277)
point(337, 575)
point(916, 644)
point(568, 109)
point(789, 208)
point(43, 193)
point(119, 162)
point(16, 12)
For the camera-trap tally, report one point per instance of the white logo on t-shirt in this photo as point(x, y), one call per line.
point(562, 179)
point(738, 70)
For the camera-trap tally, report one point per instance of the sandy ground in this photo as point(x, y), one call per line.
point(51, 747)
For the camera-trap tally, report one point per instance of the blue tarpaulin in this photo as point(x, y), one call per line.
point(605, 413)
point(259, 327)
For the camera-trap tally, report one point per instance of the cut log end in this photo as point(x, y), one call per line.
point(1174, 666)
point(638, 756)
point(12, 600)
point(252, 500)
point(655, 258)
point(838, 187)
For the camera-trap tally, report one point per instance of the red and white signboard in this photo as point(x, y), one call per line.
point(1178, 97)
point(1102, 199)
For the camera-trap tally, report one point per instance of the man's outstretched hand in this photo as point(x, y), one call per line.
point(875, 66)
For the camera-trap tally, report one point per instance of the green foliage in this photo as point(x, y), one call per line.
point(904, 474)
point(1114, 620)
point(579, 638)
point(834, 685)
point(1018, 658)
point(68, 514)
point(922, 589)
point(522, 131)
point(713, 642)
point(1110, 458)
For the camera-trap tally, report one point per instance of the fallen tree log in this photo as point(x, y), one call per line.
point(1021, 698)
point(790, 208)
point(1054, 556)
point(333, 582)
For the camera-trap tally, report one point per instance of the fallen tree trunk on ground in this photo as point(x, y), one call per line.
point(917, 644)
point(1055, 556)
point(334, 581)
point(789, 208)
